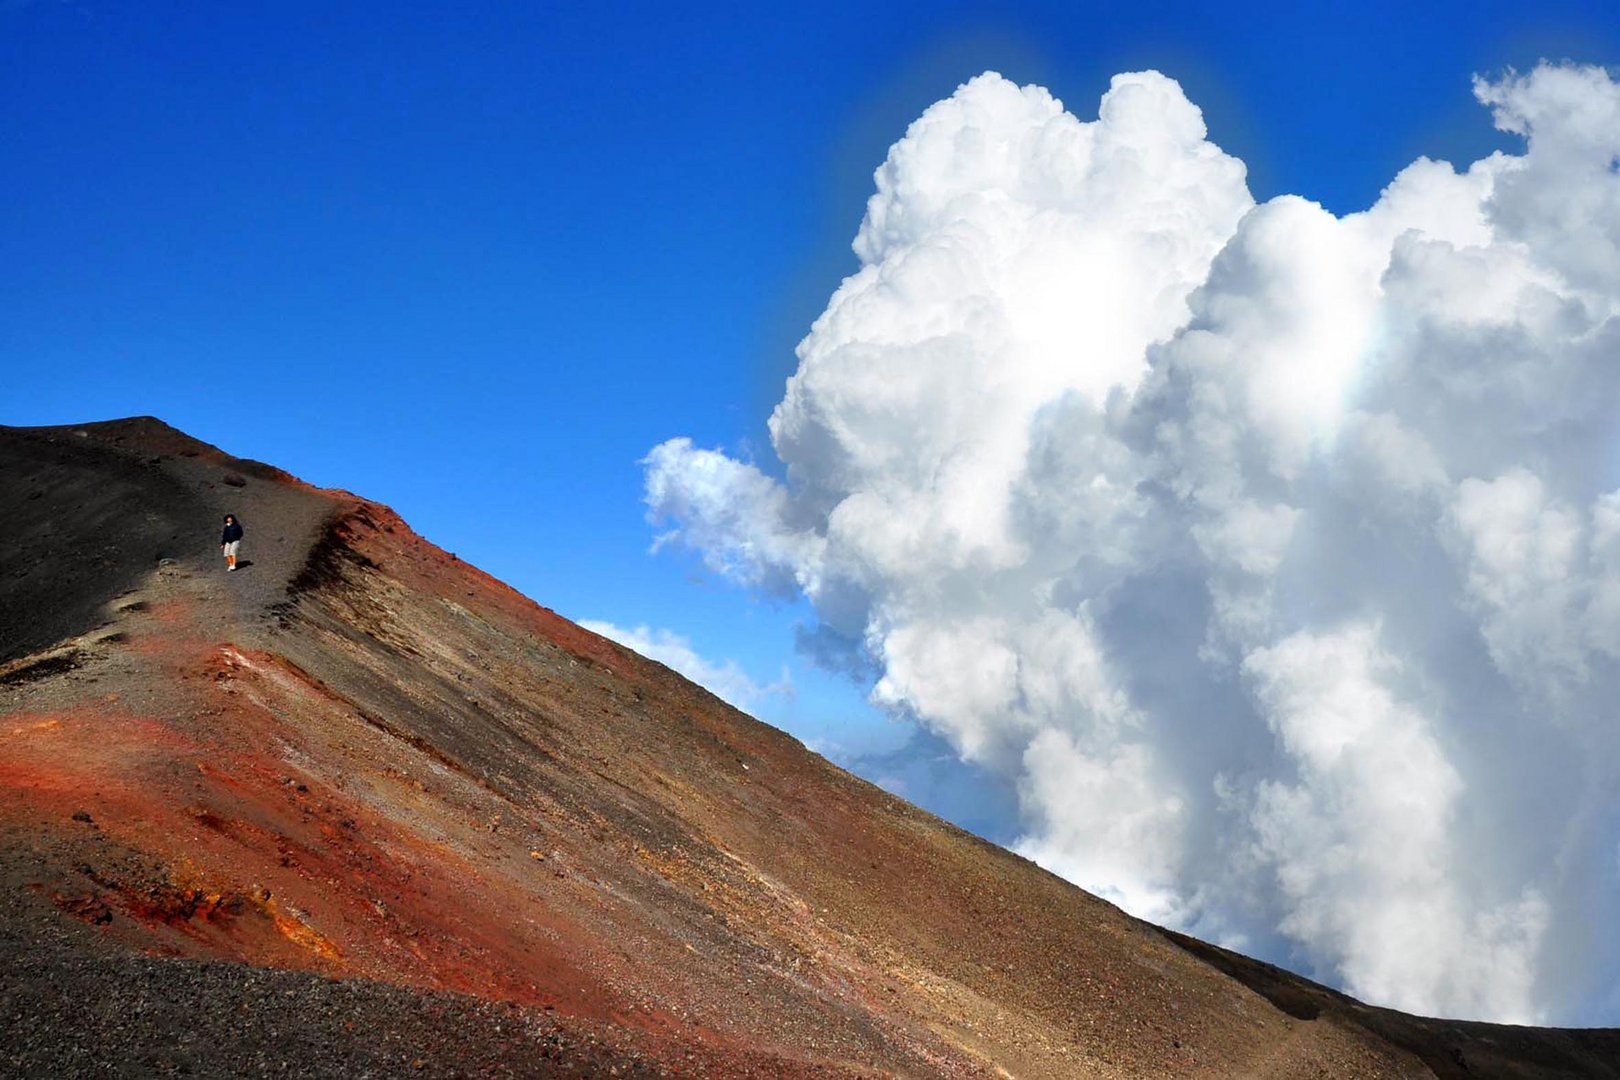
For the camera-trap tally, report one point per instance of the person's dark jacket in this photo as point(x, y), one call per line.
point(233, 531)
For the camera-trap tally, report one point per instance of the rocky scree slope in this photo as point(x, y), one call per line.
point(362, 809)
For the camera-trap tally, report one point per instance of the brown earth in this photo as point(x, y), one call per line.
point(361, 809)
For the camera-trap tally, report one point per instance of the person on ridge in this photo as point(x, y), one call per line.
point(229, 539)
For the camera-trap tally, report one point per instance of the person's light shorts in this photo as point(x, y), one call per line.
point(230, 548)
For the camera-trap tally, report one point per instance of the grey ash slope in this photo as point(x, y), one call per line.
point(92, 509)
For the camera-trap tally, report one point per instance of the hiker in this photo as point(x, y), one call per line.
point(229, 539)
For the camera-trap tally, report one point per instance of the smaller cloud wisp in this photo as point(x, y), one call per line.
point(725, 680)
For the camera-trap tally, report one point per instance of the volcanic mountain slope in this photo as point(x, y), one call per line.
point(360, 808)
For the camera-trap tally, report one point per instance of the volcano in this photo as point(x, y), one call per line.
point(360, 808)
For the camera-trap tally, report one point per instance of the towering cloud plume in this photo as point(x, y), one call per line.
point(1273, 556)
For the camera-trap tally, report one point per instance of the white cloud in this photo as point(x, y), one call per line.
point(1272, 556)
point(732, 512)
point(1363, 841)
point(725, 680)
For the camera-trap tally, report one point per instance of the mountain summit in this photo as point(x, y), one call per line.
point(361, 808)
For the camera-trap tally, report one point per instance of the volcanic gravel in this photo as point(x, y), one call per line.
point(359, 809)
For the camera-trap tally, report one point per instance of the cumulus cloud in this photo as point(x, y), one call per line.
point(726, 680)
point(1272, 557)
point(1362, 837)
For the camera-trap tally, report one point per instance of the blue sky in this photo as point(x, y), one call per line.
point(476, 260)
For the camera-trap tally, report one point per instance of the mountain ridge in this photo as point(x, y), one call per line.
point(363, 760)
